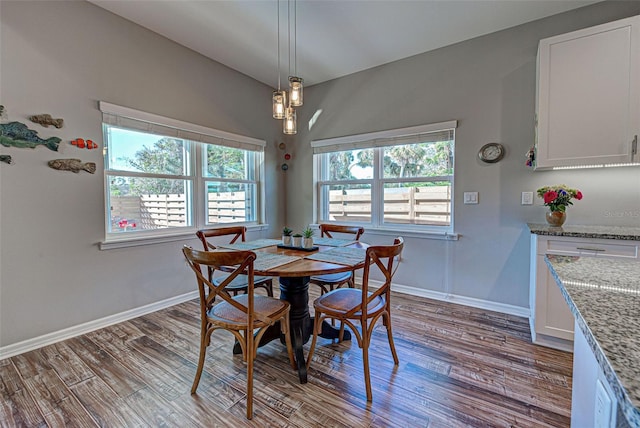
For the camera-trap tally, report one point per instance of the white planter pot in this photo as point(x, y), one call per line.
point(307, 242)
point(286, 240)
point(297, 241)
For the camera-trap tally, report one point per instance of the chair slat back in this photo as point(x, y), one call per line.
point(384, 258)
point(327, 229)
point(213, 260)
point(236, 232)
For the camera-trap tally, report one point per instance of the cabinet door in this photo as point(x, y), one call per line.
point(588, 99)
point(553, 316)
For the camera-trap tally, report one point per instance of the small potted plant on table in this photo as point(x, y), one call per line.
point(297, 240)
point(286, 236)
point(307, 241)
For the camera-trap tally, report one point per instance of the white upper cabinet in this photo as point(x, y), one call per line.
point(588, 99)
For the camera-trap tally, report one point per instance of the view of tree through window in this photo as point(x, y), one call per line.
point(153, 182)
point(407, 184)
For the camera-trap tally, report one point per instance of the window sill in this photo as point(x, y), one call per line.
point(136, 241)
point(405, 233)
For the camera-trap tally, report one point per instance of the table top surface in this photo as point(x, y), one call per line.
point(306, 267)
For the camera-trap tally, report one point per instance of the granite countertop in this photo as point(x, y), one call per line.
point(604, 297)
point(587, 231)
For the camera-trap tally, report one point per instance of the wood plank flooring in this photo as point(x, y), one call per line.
point(459, 367)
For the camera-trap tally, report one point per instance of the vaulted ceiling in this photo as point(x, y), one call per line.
point(334, 38)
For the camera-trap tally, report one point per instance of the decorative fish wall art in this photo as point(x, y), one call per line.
point(79, 143)
point(46, 120)
point(17, 134)
point(5, 158)
point(74, 165)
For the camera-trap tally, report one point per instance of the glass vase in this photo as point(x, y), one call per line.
point(556, 218)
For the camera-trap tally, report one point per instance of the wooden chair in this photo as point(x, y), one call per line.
point(349, 304)
point(332, 281)
point(240, 314)
point(240, 283)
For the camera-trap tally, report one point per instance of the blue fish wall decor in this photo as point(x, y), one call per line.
point(17, 134)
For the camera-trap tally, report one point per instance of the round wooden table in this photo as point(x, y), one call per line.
point(294, 288)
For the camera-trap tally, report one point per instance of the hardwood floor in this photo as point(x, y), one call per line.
point(459, 366)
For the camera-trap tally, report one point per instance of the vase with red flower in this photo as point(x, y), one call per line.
point(557, 198)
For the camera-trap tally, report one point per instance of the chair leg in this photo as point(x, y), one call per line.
point(365, 359)
point(250, 359)
point(203, 352)
point(316, 330)
point(285, 328)
point(387, 323)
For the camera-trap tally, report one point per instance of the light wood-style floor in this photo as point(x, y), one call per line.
point(459, 366)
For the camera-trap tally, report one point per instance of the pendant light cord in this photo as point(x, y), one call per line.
point(278, 6)
point(295, 38)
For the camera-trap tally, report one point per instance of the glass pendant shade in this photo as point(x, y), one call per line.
point(279, 102)
point(295, 89)
point(289, 124)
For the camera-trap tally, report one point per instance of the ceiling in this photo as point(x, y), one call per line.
point(334, 37)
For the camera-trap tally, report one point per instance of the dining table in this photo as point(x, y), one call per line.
point(294, 266)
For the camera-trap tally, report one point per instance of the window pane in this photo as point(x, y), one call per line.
point(349, 165)
point(230, 202)
point(418, 203)
point(147, 203)
point(227, 162)
point(348, 203)
point(418, 160)
point(141, 152)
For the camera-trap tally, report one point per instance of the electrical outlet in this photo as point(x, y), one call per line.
point(470, 198)
point(527, 198)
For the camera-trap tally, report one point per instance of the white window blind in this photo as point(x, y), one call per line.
point(154, 124)
point(442, 131)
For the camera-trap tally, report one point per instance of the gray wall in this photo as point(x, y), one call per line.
point(488, 85)
point(61, 58)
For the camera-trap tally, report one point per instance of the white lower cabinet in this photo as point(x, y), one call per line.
point(593, 404)
point(551, 321)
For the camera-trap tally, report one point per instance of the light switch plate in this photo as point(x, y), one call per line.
point(527, 198)
point(470, 198)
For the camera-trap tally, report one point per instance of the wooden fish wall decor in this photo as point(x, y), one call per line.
point(5, 158)
point(79, 143)
point(74, 165)
point(17, 134)
point(46, 120)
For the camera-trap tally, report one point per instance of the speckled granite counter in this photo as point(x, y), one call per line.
point(578, 231)
point(604, 297)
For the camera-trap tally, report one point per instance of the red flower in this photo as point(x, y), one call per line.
point(550, 196)
point(578, 195)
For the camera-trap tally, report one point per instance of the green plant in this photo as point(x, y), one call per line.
point(297, 235)
point(286, 231)
point(558, 197)
point(308, 232)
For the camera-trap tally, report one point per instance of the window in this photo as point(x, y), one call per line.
point(164, 177)
point(398, 179)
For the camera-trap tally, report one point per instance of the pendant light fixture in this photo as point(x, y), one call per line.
point(283, 102)
point(279, 97)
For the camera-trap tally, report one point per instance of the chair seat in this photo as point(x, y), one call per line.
point(240, 282)
point(332, 278)
point(343, 300)
point(270, 307)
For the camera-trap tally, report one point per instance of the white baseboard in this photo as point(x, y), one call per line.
point(77, 330)
point(460, 300)
point(58, 336)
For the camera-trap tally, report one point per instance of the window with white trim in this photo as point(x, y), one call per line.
point(164, 176)
point(397, 179)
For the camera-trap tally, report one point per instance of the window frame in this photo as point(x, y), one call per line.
point(378, 141)
point(197, 138)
